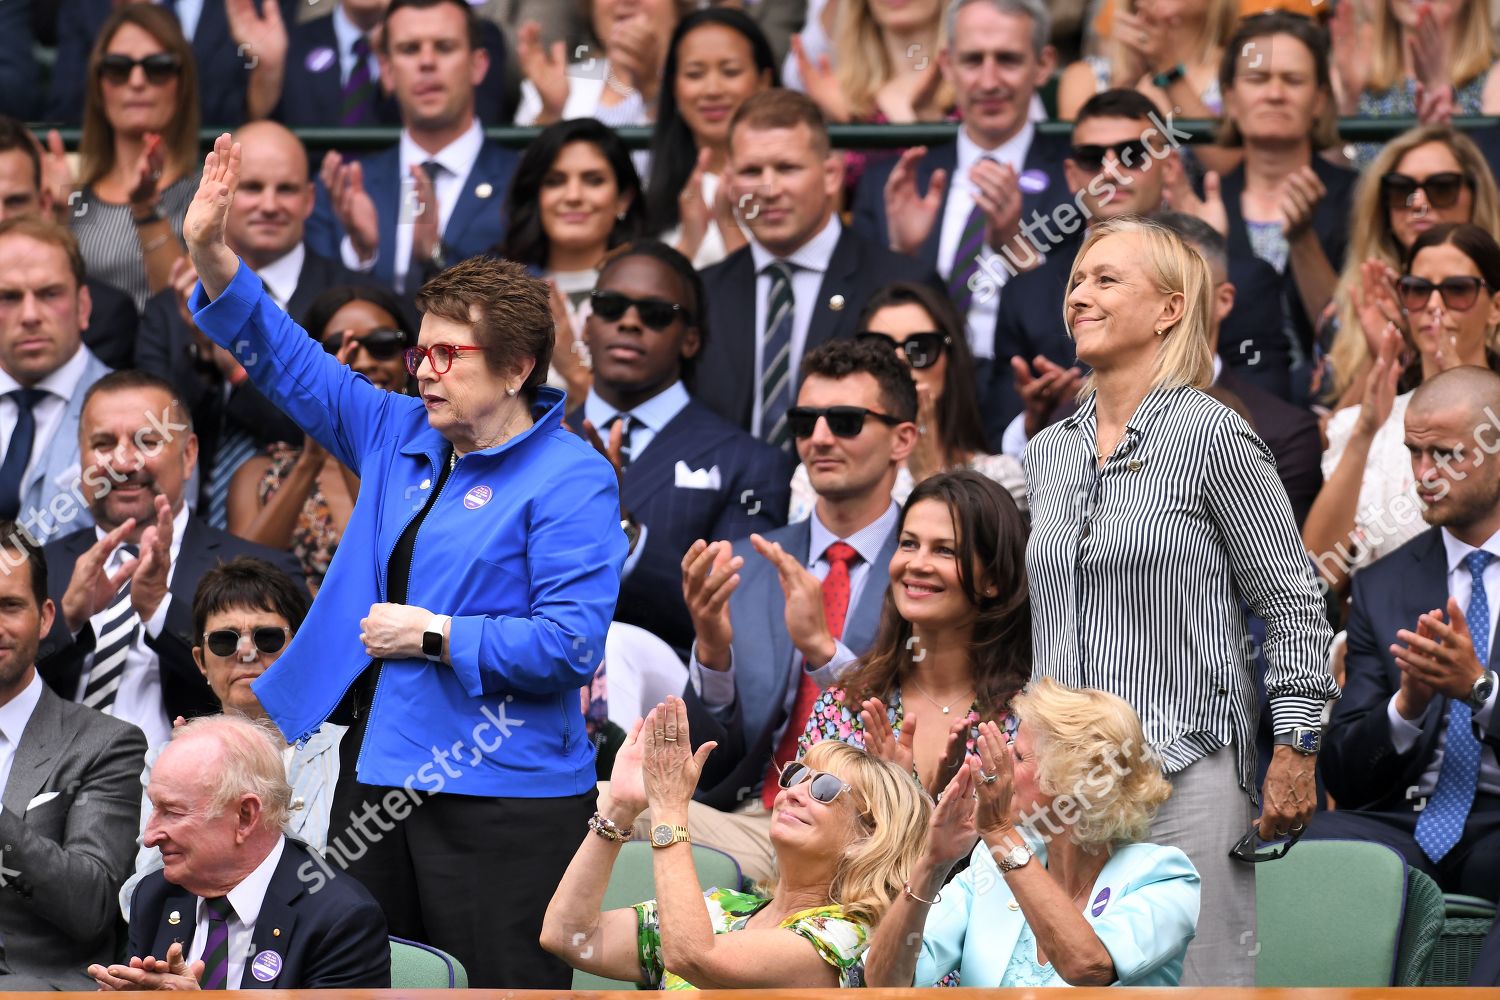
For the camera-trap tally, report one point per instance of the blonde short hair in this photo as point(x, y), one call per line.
point(250, 764)
point(1176, 266)
point(1091, 749)
point(893, 816)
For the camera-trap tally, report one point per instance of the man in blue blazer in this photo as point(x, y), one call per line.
point(803, 279)
point(685, 472)
point(1410, 754)
point(238, 905)
point(435, 198)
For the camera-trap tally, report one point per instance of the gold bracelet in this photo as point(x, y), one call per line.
point(906, 891)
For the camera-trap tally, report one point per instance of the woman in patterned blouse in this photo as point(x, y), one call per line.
point(955, 636)
point(847, 828)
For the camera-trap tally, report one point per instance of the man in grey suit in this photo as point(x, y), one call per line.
point(766, 610)
point(70, 809)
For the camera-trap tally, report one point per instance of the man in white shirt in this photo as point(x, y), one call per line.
point(231, 909)
point(44, 371)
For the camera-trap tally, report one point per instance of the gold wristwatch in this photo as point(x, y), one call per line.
point(663, 835)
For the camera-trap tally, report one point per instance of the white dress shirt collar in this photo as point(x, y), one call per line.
point(1457, 551)
point(62, 383)
point(813, 255)
point(179, 528)
point(457, 157)
point(867, 541)
point(345, 34)
point(1012, 151)
point(246, 900)
point(654, 414)
point(282, 274)
point(16, 713)
point(247, 897)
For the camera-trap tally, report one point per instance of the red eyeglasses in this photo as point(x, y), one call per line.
point(440, 356)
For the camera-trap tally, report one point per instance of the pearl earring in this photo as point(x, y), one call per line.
point(511, 391)
point(620, 217)
point(1160, 332)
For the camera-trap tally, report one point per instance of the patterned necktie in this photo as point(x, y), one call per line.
point(840, 556)
point(966, 259)
point(776, 356)
point(1441, 823)
point(18, 451)
point(629, 424)
point(236, 447)
point(358, 106)
point(114, 638)
point(216, 945)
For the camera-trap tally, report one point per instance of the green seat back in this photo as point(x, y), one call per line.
point(422, 967)
point(1467, 919)
point(1421, 929)
point(632, 881)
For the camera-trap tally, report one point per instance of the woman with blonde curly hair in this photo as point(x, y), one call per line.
point(1060, 889)
point(847, 829)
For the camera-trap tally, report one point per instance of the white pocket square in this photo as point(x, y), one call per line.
point(697, 479)
point(41, 800)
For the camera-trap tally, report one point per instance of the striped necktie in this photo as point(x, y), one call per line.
point(627, 454)
point(216, 945)
point(236, 447)
point(114, 636)
point(776, 355)
point(966, 259)
point(358, 107)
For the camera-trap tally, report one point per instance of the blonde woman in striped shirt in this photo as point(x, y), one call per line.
point(1157, 517)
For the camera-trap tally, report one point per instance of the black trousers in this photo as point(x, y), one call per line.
point(470, 875)
point(1471, 868)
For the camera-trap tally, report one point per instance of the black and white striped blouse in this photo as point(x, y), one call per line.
point(1138, 571)
point(107, 236)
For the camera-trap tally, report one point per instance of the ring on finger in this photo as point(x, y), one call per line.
point(669, 739)
point(987, 778)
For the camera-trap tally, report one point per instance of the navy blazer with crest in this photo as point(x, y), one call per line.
point(325, 929)
point(761, 649)
point(753, 494)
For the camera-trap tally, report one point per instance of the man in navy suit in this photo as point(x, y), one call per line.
point(762, 656)
point(238, 905)
point(685, 472)
point(1410, 754)
point(435, 198)
point(988, 189)
point(802, 280)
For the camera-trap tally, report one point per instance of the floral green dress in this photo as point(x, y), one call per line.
point(840, 941)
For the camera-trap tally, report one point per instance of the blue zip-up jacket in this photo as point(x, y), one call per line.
point(523, 548)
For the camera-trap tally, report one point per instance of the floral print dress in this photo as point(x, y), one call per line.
point(839, 940)
point(834, 718)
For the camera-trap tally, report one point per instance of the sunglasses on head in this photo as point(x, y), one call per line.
point(1132, 154)
point(382, 345)
point(267, 639)
point(1459, 292)
point(159, 67)
point(922, 350)
point(1442, 189)
point(823, 787)
point(843, 421)
point(658, 314)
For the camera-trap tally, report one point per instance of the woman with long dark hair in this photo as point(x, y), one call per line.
point(922, 327)
point(954, 645)
point(717, 58)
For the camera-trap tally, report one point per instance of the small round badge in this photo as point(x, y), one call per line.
point(320, 59)
point(484, 190)
point(836, 303)
point(1034, 181)
point(478, 497)
point(266, 966)
point(1100, 901)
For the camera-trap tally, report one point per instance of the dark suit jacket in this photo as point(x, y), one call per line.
point(1045, 156)
point(18, 71)
point(222, 70)
point(726, 366)
point(183, 689)
point(66, 855)
point(1488, 141)
point(762, 649)
point(1360, 766)
point(113, 321)
point(333, 933)
point(754, 494)
point(1487, 967)
point(474, 227)
point(1291, 433)
point(313, 96)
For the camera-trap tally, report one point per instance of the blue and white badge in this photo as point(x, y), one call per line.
point(478, 497)
point(1034, 181)
point(266, 966)
point(1100, 901)
point(320, 59)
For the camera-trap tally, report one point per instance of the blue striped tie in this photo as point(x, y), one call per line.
point(236, 447)
point(1441, 823)
point(776, 355)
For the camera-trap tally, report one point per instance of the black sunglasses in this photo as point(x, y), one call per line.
point(267, 638)
point(1132, 154)
point(824, 787)
point(1459, 292)
point(843, 421)
point(382, 345)
point(922, 350)
point(1249, 849)
point(1441, 189)
point(160, 67)
point(658, 314)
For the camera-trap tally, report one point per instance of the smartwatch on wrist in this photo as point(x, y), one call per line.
point(432, 639)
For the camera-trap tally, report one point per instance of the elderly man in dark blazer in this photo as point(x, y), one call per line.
point(70, 812)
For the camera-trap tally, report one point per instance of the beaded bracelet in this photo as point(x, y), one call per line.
point(906, 891)
point(608, 829)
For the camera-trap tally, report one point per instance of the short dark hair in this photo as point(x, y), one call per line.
point(1117, 102)
point(1474, 242)
point(515, 313)
point(471, 19)
point(15, 136)
point(128, 379)
point(18, 540)
point(247, 582)
point(331, 300)
point(692, 284)
point(842, 358)
point(782, 108)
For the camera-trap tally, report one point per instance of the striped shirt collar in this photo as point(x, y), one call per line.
point(1139, 420)
point(867, 541)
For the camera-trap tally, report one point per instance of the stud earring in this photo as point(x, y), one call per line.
point(510, 391)
point(620, 217)
point(1160, 332)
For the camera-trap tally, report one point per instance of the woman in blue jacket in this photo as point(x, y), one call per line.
point(466, 605)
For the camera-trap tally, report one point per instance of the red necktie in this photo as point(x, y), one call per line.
point(835, 608)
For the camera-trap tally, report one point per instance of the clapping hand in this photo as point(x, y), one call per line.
point(1300, 194)
point(909, 216)
point(881, 741)
point(148, 170)
point(149, 973)
point(635, 55)
point(820, 83)
point(1374, 301)
point(203, 226)
point(1428, 43)
point(710, 574)
point(1043, 385)
point(953, 830)
point(995, 781)
point(1182, 198)
point(425, 216)
point(805, 621)
point(546, 66)
point(627, 779)
point(1440, 655)
point(58, 182)
point(352, 204)
point(91, 589)
point(148, 584)
point(670, 765)
point(1380, 386)
point(997, 192)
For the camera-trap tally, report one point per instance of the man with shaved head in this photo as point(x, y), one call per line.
point(1410, 754)
point(233, 907)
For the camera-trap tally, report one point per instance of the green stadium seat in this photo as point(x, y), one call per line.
point(422, 967)
point(1466, 921)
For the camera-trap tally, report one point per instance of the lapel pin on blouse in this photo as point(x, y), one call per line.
point(1135, 465)
point(484, 190)
point(836, 303)
point(174, 918)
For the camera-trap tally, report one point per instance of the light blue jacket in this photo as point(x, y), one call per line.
point(523, 548)
point(1143, 906)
